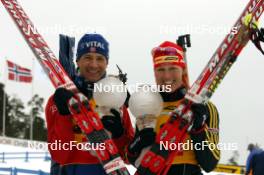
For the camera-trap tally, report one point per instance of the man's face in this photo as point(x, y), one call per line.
point(169, 75)
point(92, 66)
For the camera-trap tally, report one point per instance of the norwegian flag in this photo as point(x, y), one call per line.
point(18, 73)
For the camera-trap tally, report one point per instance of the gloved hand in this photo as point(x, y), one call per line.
point(249, 20)
point(200, 115)
point(113, 123)
point(143, 139)
point(61, 98)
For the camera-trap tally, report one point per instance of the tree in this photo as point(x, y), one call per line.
point(18, 122)
point(39, 128)
point(16, 118)
point(1, 107)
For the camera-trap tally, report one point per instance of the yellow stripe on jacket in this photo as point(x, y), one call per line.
point(184, 156)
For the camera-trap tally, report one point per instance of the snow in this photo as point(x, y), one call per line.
point(18, 148)
point(32, 164)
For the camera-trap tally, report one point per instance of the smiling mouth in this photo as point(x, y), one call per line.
point(92, 71)
point(169, 82)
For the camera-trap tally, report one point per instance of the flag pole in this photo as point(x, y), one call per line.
point(32, 107)
point(4, 98)
point(4, 110)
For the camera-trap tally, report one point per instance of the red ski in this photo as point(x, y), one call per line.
point(157, 161)
point(87, 119)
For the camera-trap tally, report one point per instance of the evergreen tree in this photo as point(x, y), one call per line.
point(36, 111)
point(18, 122)
point(16, 119)
point(1, 107)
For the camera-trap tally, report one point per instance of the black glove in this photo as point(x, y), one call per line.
point(113, 123)
point(143, 139)
point(61, 97)
point(200, 115)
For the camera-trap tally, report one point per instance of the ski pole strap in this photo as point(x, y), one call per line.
point(257, 36)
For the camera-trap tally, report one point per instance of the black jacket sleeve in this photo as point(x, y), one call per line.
point(209, 155)
point(132, 157)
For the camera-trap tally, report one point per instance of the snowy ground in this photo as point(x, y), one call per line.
point(8, 146)
point(32, 164)
point(20, 147)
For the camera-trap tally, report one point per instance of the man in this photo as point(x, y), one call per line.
point(170, 69)
point(92, 60)
point(257, 164)
point(255, 160)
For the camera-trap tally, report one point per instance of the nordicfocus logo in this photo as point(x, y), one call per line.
point(58, 145)
point(110, 88)
point(190, 145)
